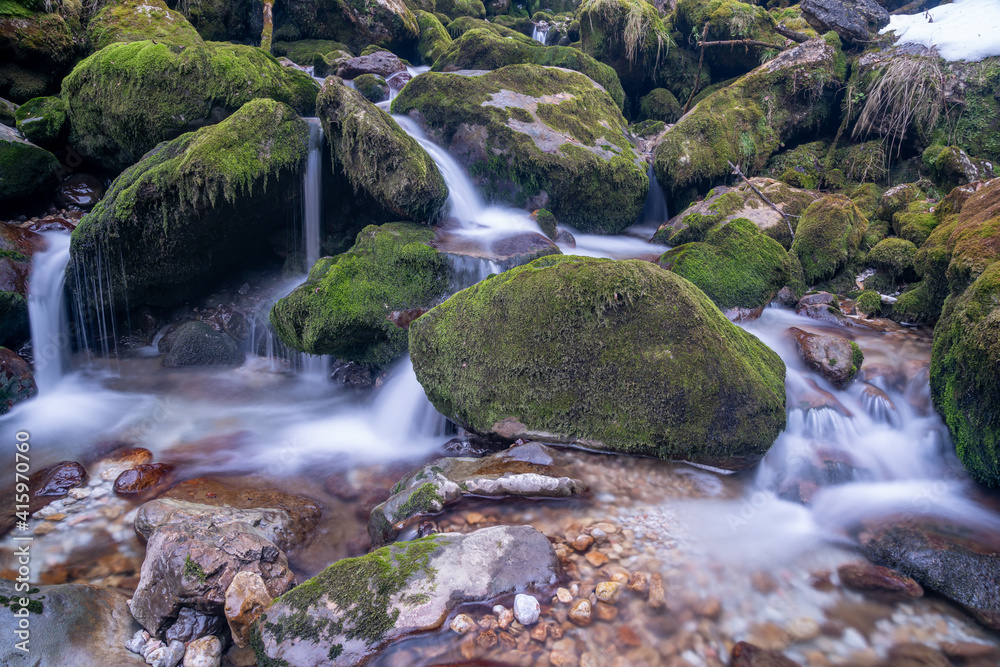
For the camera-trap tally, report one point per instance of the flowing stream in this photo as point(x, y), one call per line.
point(47, 311)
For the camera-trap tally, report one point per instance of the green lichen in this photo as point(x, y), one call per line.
point(343, 308)
point(619, 355)
point(126, 98)
point(194, 570)
point(423, 500)
point(737, 266)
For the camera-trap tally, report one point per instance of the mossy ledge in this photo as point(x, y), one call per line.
point(615, 355)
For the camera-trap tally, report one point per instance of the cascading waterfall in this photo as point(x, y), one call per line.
point(50, 340)
point(540, 33)
point(312, 193)
point(654, 210)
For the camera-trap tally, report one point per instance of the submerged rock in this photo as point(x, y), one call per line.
point(356, 606)
point(736, 266)
point(188, 212)
point(55, 481)
point(616, 355)
point(835, 358)
point(126, 98)
point(198, 344)
point(877, 579)
point(524, 130)
point(521, 471)
point(95, 617)
point(377, 157)
point(343, 309)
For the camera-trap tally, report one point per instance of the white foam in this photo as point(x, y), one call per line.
point(963, 30)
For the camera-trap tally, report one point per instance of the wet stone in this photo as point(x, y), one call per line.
point(142, 480)
point(55, 481)
point(526, 609)
point(581, 612)
point(203, 652)
point(867, 577)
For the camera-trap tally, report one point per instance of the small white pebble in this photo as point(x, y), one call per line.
point(462, 624)
point(526, 609)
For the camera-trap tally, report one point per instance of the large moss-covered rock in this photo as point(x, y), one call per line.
point(462, 25)
point(434, 39)
point(737, 266)
point(343, 308)
point(456, 8)
point(746, 122)
point(126, 98)
point(42, 120)
point(194, 208)
point(977, 127)
point(36, 47)
point(387, 23)
point(827, 237)
point(965, 384)
point(484, 49)
point(729, 20)
point(25, 169)
point(352, 609)
point(223, 20)
point(524, 130)
point(614, 355)
point(377, 157)
point(660, 104)
point(138, 20)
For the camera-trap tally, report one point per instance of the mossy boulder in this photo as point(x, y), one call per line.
point(387, 23)
point(737, 266)
point(307, 52)
point(916, 222)
point(729, 20)
point(977, 128)
point(484, 49)
point(895, 257)
point(352, 609)
point(524, 130)
point(229, 20)
point(372, 87)
point(126, 98)
point(456, 8)
point(198, 344)
point(194, 208)
point(36, 49)
point(42, 120)
point(950, 166)
point(14, 325)
point(462, 25)
point(746, 122)
point(7, 111)
point(378, 157)
point(660, 104)
point(343, 308)
point(800, 167)
point(25, 169)
point(828, 236)
point(896, 199)
point(965, 384)
point(434, 38)
point(835, 358)
point(724, 203)
point(611, 355)
point(138, 20)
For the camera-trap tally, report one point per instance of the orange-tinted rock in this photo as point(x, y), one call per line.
point(875, 578)
point(143, 480)
point(747, 655)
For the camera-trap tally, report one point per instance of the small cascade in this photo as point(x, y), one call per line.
point(312, 194)
point(654, 211)
point(540, 33)
point(50, 339)
point(467, 270)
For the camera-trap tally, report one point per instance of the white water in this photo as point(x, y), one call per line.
point(312, 194)
point(47, 311)
point(540, 33)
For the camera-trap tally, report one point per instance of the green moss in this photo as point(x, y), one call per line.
point(828, 236)
point(363, 590)
point(729, 19)
point(977, 127)
point(895, 257)
point(25, 169)
point(358, 23)
point(434, 39)
point(612, 354)
point(456, 8)
point(660, 104)
point(423, 500)
point(138, 20)
point(194, 570)
point(546, 222)
point(867, 197)
point(917, 304)
point(126, 98)
point(13, 319)
point(647, 128)
point(460, 26)
point(41, 120)
point(305, 51)
point(582, 158)
point(343, 308)
point(372, 87)
point(869, 302)
point(965, 384)
point(737, 266)
point(481, 49)
point(800, 167)
point(915, 223)
point(378, 157)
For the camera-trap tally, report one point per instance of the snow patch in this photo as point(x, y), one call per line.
point(963, 30)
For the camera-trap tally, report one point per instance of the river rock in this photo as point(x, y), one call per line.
point(203, 652)
point(732, 125)
point(385, 23)
point(382, 63)
point(142, 480)
point(150, 91)
point(191, 565)
point(737, 266)
point(214, 226)
point(378, 157)
point(356, 606)
point(828, 236)
point(82, 190)
point(608, 338)
point(523, 130)
point(36, 168)
point(745, 654)
point(855, 21)
point(198, 344)
point(835, 358)
point(522, 471)
point(945, 559)
point(866, 577)
point(55, 481)
point(724, 203)
point(17, 383)
point(42, 121)
point(343, 308)
point(96, 618)
point(246, 598)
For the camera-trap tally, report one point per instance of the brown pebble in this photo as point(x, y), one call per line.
point(970, 651)
point(44, 528)
point(561, 659)
point(487, 639)
point(608, 591)
point(747, 655)
point(488, 623)
point(59, 516)
point(764, 582)
point(864, 576)
point(540, 632)
point(563, 595)
point(506, 641)
point(596, 558)
point(657, 596)
point(821, 581)
point(583, 542)
point(620, 577)
point(53, 482)
point(709, 607)
point(628, 637)
point(605, 611)
point(472, 518)
point(639, 582)
point(142, 479)
point(580, 613)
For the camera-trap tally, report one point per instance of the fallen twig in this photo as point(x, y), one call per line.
point(792, 34)
point(701, 61)
point(738, 172)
